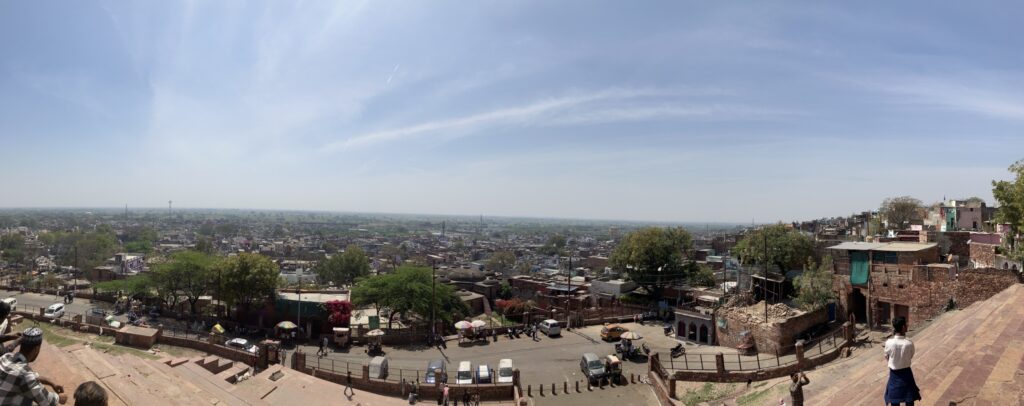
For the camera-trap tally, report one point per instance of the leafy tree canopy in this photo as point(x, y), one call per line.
point(900, 211)
point(814, 286)
point(344, 269)
point(653, 257)
point(408, 290)
point(501, 261)
point(1010, 196)
point(248, 279)
point(787, 248)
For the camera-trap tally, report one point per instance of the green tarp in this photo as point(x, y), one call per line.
point(859, 266)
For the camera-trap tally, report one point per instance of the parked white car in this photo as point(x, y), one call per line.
point(465, 374)
point(505, 371)
point(55, 311)
point(550, 327)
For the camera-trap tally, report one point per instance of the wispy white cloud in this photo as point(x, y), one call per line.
point(610, 105)
point(965, 93)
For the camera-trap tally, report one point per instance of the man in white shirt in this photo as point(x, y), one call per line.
point(899, 351)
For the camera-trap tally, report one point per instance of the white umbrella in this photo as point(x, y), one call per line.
point(631, 335)
point(375, 333)
point(462, 325)
point(478, 323)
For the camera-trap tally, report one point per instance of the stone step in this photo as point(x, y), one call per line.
point(219, 389)
point(229, 375)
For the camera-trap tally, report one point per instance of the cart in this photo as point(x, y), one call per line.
point(342, 337)
point(374, 342)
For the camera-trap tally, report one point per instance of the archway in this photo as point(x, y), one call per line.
point(703, 334)
point(859, 306)
point(692, 333)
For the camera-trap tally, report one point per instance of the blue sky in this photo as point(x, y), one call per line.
point(680, 111)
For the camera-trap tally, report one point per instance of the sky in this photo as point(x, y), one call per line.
point(662, 111)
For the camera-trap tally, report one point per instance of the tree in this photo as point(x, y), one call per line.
point(247, 279)
point(394, 254)
point(653, 257)
point(1010, 196)
point(787, 248)
point(188, 274)
point(408, 290)
point(84, 250)
point(505, 291)
point(703, 277)
point(344, 269)
point(501, 261)
point(12, 247)
point(900, 211)
point(205, 245)
point(814, 286)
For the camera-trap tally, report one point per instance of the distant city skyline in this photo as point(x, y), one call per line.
point(675, 112)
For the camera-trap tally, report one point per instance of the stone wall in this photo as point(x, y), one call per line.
point(773, 338)
point(925, 291)
point(983, 255)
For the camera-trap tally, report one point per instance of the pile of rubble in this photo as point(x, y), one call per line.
point(777, 312)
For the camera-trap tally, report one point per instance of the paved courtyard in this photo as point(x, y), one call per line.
point(549, 360)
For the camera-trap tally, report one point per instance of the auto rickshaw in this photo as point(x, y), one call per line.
point(613, 369)
point(374, 340)
point(342, 337)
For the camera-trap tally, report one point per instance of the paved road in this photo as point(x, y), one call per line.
point(33, 301)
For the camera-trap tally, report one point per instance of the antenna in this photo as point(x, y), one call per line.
point(169, 208)
point(126, 211)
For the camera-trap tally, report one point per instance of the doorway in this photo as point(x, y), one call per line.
point(858, 306)
point(884, 310)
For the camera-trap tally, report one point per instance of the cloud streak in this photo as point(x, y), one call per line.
point(627, 104)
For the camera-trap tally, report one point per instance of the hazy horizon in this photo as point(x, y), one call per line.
point(660, 112)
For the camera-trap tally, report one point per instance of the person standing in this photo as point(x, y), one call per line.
point(320, 351)
point(444, 394)
point(19, 384)
point(465, 398)
point(796, 389)
point(899, 351)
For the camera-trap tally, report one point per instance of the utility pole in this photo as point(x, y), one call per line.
point(568, 315)
point(433, 297)
point(764, 286)
point(74, 273)
point(298, 310)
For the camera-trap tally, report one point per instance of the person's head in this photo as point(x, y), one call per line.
point(31, 342)
point(795, 376)
point(90, 394)
point(5, 310)
point(899, 324)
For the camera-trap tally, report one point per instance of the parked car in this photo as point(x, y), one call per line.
point(505, 371)
point(55, 311)
point(435, 372)
point(96, 311)
point(550, 328)
point(242, 344)
point(592, 367)
point(464, 376)
point(611, 332)
point(483, 374)
point(11, 301)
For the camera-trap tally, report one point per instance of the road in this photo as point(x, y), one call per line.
point(29, 301)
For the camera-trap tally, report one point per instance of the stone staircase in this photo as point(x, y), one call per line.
point(970, 356)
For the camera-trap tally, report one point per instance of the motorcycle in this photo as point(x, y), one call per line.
point(678, 350)
point(668, 329)
point(646, 349)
